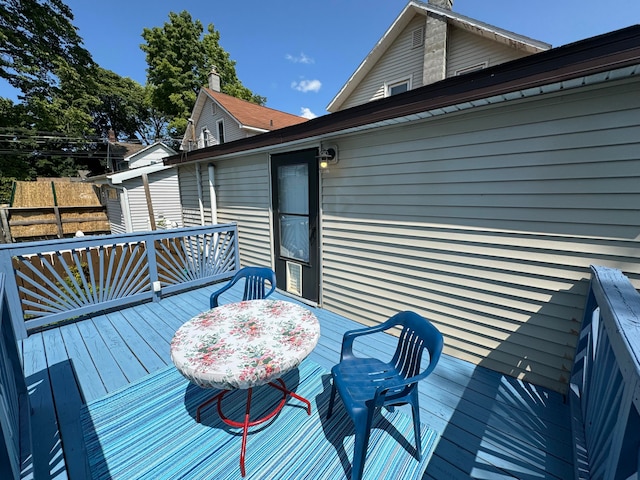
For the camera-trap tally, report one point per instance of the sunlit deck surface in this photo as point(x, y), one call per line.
point(491, 425)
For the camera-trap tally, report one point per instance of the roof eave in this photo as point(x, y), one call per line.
point(592, 57)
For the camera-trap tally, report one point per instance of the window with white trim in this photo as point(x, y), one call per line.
point(220, 127)
point(205, 137)
point(397, 87)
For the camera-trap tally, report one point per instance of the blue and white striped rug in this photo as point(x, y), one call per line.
point(148, 430)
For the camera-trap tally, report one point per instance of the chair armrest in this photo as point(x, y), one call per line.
point(213, 299)
point(349, 337)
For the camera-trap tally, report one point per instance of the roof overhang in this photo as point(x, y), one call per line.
point(120, 177)
point(605, 58)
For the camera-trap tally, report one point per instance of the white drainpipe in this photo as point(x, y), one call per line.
point(212, 195)
point(200, 203)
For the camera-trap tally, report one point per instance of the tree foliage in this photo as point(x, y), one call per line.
point(37, 37)
point(179, 57)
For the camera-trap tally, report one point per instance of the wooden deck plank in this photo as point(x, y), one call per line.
point(91, 385)
point(112, 376)
point(492, 426)
point(131, 367)
point(47, 459)
point(139, 345)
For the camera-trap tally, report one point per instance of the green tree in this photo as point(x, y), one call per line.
point(179, 57)
point(121, 105)
point(37, 38)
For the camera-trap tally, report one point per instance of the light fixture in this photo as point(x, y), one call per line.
point(328, 156)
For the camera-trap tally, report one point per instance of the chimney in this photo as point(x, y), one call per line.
point(448, 4)
point(214, 80)
point(111, 135)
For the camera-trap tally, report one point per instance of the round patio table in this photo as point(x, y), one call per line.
point(244, 345)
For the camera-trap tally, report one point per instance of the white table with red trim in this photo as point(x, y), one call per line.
point(244, 345)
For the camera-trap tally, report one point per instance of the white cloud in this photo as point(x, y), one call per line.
point(302, 58)
point(306, 113)
point(307, 85)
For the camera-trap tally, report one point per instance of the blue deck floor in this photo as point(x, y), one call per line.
point(491, 425)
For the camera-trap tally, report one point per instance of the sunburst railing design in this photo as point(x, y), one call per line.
point(61, 279)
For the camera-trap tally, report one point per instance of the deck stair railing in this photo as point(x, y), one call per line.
point(605, 386)
point(56, 280)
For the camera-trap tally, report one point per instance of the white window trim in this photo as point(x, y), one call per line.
point(389, 85)
point(472, 68)
point(218, 123)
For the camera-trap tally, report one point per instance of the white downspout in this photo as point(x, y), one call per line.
point(200, 202)
point(212, 195)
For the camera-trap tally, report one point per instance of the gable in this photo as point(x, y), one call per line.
point(216, 112)
point(354, 92)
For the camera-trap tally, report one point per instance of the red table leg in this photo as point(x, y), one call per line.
point(247, 421)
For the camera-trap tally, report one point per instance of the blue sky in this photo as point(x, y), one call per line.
point(298, 54)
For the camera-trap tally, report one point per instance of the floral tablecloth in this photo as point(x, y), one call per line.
point(245, 344)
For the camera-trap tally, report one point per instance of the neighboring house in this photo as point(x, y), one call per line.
point(218, 118)
point(479, 201)
point(118, 151)
point(428, 43)
point(149, 155)
point(134, 197)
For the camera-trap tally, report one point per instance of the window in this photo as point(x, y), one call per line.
point(213, 108)
point(397, 87)
point(471, 68)
point(220, 132)
point(205, 137)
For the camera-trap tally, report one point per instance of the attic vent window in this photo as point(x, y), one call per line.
point(417, 37)
point(471, 68)
point(213, 108)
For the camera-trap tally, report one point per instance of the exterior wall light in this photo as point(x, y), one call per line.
point(328, 156)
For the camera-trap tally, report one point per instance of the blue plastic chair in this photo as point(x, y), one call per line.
point(367, 384)
point(255, 287)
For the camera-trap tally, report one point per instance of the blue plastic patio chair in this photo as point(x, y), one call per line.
point(255, 287)
point(367, 384)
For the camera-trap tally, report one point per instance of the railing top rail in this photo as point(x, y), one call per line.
point(619, 304)
point(100, 240)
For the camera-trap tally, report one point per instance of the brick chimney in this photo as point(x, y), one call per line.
point(111, 136)
point(214, 80)
point(435, 44)
point(448, 4)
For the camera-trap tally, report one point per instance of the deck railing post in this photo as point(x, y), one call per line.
point(153, 268)
point(12, 295)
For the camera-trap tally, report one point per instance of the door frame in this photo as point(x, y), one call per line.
point(312, 270)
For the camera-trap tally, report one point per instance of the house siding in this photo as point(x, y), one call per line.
point(242, 195)
point(164, 190)
point(114, 211)
point(208, 119)
point(399, 62)
point(464, 49)
point(152, 155)
point(486, 222)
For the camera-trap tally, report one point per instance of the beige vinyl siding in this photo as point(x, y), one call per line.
point(400, 61)
point(189, 195)
point(114, 211)
point(486, 222)
point(464, 50)
point(243, 196)
point(207, 118)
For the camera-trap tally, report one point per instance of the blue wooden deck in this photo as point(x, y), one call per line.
point(492, 426)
